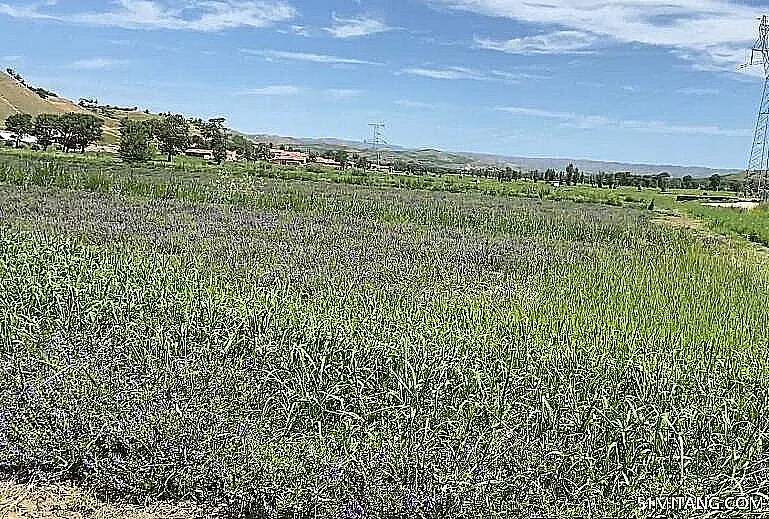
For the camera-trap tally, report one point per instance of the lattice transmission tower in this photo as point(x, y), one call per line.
point(757, 173)
point(377, 140)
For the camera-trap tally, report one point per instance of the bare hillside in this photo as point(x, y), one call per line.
point(15, 98)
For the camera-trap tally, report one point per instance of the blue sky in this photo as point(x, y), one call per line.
point(646, 81)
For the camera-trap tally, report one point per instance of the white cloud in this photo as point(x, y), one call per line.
point(198, 15)
point(308, 57)
point(596, 121)
point(559, 42)
point(274, 91)
point(96, 63)
point(445, 73)
point(295, 91)
point(464, 73)
point(713, 33)
point(356, 27)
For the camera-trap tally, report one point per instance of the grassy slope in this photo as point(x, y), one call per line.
point(322, 347)
point(15, 98)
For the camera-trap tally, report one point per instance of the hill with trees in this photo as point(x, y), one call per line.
point(19, 97)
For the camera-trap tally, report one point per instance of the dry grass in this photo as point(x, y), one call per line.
point(63, 501)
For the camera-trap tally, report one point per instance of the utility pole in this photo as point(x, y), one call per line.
point(757, 173)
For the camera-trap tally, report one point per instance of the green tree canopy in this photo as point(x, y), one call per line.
point(172, 132)
point(20, 125)
point(216, 134)
point(46, 129)
point(135, 139)
point(77, 130)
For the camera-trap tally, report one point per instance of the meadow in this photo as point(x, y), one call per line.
point(283, 343)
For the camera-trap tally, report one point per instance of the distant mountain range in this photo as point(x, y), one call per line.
point(460, 160)
point(595, 166)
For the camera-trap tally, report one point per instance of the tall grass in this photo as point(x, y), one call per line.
point(294, 349)
point(752, 225)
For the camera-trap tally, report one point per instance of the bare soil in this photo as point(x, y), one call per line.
point(32, 501)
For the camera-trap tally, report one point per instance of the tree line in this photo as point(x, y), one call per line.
point(172, 134)
point(72, 131)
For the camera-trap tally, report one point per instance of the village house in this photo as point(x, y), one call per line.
point(328, 163)
point(288, 158)
point(200, 153)
point(204, 154)
point(382, 168)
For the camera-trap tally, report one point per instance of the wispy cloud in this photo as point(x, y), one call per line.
point(343, 93)
point(597, 121)
point(356, 27)
point(274, 91)
point(709, 32)
point(197, 15)
point(693, 91)
point(8, 59)
point(306, 57)
point(296, 91)
point(445, 73)
point(559, 42)
point(96, 63)
point(465, 73)
point(417, 105)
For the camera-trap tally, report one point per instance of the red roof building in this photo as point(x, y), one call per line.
point(288, 158)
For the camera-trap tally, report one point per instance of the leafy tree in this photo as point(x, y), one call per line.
point(197, 141)
point(341, 156)
point(216, 134)
point(135, 139)
point(715, 181)
point(663, 178)
point(20, 125)
point(262, 151)
point(686, 182)
point(76, 130)
point(172, 132)
point(46, 129)
point(244, 147)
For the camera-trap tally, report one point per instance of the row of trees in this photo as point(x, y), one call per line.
point(72, 131)
point(171, 134)
point(571, 175)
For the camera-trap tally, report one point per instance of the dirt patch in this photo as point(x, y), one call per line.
point(678, 221)
point(67, 502)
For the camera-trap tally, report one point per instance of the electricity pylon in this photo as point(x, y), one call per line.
point(377, 139)
point(757, 174)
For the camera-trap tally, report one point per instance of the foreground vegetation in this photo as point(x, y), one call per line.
point(317, 349)
point(751, 225)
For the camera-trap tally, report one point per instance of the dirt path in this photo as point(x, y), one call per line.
point(743, 250)
point(67, 502)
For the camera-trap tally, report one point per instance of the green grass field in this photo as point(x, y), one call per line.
point(314, 344)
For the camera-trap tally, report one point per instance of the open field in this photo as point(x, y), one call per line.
point(281, 345)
